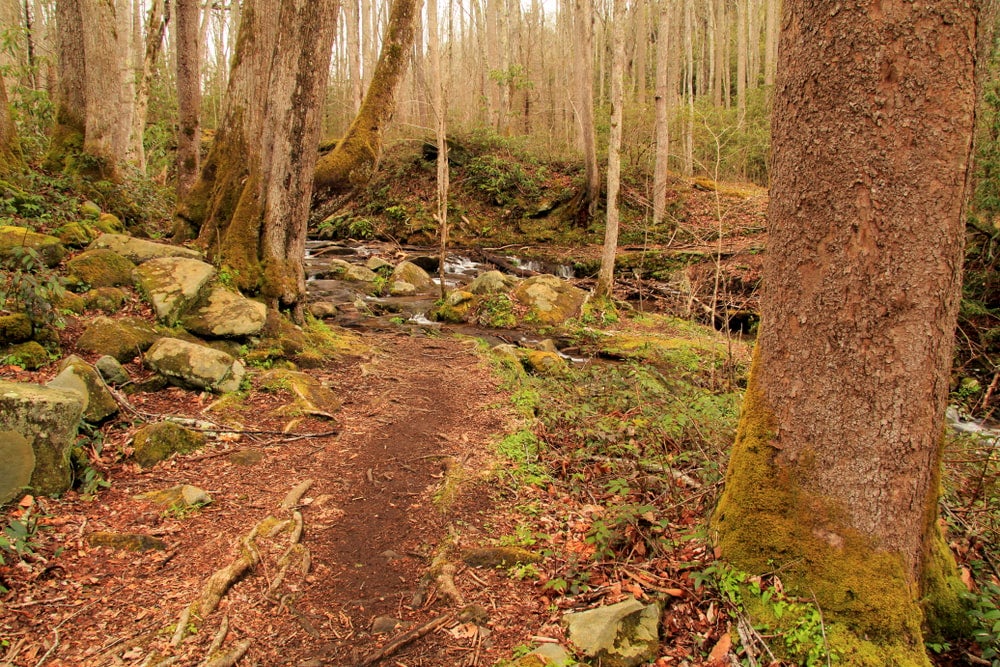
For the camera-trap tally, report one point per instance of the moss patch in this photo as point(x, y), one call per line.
point(767, 522)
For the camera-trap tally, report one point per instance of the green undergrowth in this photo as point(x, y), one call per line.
point(616, 463)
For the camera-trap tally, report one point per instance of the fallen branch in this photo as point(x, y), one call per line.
point(405, 638)
point(232, 656)
point(654, 468)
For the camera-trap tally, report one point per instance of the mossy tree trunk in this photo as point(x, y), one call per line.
point(250, 204)
point(11, 160)
point(606, 274)
point(833, 480)
point(356, 157)
point(96, 95)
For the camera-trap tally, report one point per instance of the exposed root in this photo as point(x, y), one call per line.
point(232, 656)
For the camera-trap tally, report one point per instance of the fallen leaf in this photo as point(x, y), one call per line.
point(720, 651)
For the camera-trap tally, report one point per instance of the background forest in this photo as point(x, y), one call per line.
point(525, 85)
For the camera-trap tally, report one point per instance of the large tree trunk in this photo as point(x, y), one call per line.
point(356, 157)
point(71, 98)
point(833, 480)
point(249, 206)
point(188, 95)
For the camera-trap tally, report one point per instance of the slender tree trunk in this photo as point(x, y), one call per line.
point(661, 168)
point(11, 160)
point(689, 86)
point(773, 12)
point(357, 155)
point(741, 60)
point(585, 108)
point(606, 274)
point(439, 97)
point(188, 96)
point(834, 477)
point(157, 27)
point(354, 54)
point(250, 204)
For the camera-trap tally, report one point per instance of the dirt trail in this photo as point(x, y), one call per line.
point(373, 518)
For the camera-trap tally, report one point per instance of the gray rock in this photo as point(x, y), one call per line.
point(619, 635)
point(195, 366)
point(18, 464)
point(79, 376)
point(121, 339)
point(100, 267)
point(385, 624)
point(47, 418)
point(546, 655)
point(172, 284)
point(112, 371)
point(323, 309)
point(492, 282)
point(550, 300)
point(12, 239)
point(141, 250)
point(220, 313)
point(344, 270)
point(400, 288)
point(378, 265)
point(408, 272)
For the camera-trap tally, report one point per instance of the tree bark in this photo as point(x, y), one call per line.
point(71, 99)
point(156, 29)
point(661, 167)
point(606, 274)
point(585, 108)
point(357, 155)
point(439, 102)
point(834, 476)
point(11, 160)
point(188, 160)
point(250, 204)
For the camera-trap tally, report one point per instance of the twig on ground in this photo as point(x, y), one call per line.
point(405, 638)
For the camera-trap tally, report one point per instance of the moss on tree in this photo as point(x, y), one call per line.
point(767, 522)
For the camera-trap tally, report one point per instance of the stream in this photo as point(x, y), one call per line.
point(358, 307)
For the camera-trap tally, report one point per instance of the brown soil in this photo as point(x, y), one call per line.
point(418, 413)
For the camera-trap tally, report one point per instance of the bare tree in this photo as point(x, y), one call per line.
point(606, 274)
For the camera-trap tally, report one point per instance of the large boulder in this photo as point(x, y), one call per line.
point(344, 270)
point(29, 355)
point(550, 300)
point(100, 268)
point(122, 339)
point(619, 635)
point(195, 366)
point(153, 443)
point(220, 313)
point(79, 376)
point(492, 282)
point(18, 463)
point(48, 418)
point(408, 272)
point(141, 250)
point(172, 284)
point(50, 249)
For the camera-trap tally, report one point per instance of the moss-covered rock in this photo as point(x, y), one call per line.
point(141, 250)
point(172, 284)
point(122, 339)
point(90, 210)
point(408, 272)
point(311, 395)
point(76, 234)
point(153, 443)
point(219, 312)
point(77, 375)
point(195, 366)
point(109, 224)
point(100, 268)
point(48, 418)
point(550, 300)
point(105, 299)
point(15, 328)
point(30, 355)
point(49, 248)
point(344, 270)
point(543, 362)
